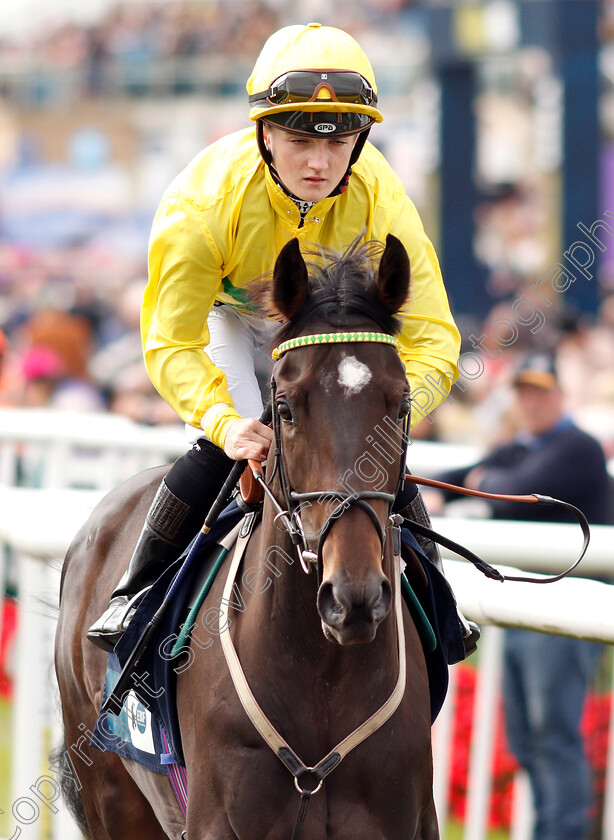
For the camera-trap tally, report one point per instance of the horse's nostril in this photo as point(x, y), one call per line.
point(331, 611)
point(381, 607)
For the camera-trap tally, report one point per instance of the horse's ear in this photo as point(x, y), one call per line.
point(290, 280)
point(393, 274)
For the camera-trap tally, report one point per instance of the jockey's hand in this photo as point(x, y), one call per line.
point(248, 438)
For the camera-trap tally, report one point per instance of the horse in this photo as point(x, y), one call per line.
point(316, 654)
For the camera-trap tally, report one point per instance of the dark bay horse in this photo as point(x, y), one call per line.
point(332, 662)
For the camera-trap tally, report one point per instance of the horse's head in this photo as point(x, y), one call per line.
point(339, 415)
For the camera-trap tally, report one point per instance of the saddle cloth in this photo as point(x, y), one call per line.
point(147, 728)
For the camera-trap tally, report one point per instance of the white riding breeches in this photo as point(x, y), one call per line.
point(236, 348)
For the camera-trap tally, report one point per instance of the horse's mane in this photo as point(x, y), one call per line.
point(342, 285)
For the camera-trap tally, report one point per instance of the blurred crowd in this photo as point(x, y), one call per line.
point(514, 245)
point(479, 409)
point(173, 48)
point(70, 334)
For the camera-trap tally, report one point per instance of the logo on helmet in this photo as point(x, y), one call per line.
point(325, 128)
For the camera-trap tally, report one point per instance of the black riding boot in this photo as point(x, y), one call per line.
point(417, 512)
point(173, 520)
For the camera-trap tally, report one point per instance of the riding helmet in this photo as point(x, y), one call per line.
point(315, 81)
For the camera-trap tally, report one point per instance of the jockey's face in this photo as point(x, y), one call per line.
point(309, 167)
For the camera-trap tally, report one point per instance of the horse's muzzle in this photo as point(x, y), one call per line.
point(350, 614)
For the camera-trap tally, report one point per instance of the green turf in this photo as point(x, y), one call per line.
point(5, 766)
point(454, 831)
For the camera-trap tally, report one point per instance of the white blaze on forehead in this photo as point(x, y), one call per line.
point(353, 375)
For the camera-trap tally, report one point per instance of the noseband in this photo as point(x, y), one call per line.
point(290, 513)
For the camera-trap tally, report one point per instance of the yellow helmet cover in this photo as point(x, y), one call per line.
point(343, 79)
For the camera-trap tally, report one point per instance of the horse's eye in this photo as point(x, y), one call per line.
point(283, 409)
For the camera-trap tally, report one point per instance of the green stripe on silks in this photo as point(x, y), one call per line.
point(241, 297)
point(423, 625)
point(184, 635)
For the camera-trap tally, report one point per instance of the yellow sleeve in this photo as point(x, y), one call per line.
point(185, 272)
point(429, 338)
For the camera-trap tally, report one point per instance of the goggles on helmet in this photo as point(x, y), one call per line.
point(343, 86)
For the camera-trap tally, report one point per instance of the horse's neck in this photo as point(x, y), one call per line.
point(290, 595)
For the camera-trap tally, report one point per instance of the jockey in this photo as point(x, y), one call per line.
point(305, 170)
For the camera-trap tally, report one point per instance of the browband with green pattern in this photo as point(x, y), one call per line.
point(332, 338)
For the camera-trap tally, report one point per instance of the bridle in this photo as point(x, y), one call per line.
point(289, 514)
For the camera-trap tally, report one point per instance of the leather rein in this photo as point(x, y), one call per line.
point(485, 568)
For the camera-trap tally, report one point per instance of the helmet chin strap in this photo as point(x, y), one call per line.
point(359, 145)
point(263, 148)
point(268, 158)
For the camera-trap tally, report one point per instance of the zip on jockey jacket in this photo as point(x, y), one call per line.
point(219, 227)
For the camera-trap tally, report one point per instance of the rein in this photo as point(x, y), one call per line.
point(489, 571)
